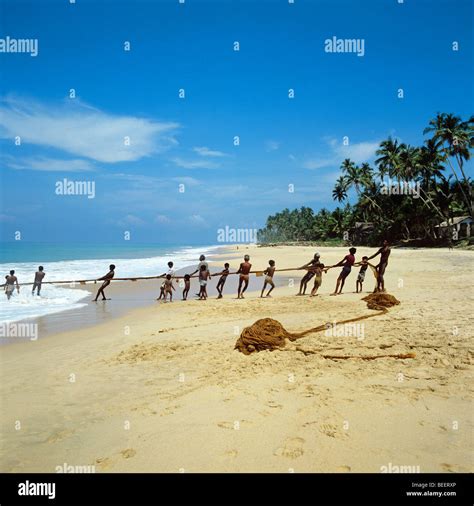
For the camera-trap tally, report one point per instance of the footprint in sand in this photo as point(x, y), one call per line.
point(231, 453)
point(292, 449)
point(330, 430)
point(128, 453)
point(103, 462)
point(60, 435)
point(273, 404)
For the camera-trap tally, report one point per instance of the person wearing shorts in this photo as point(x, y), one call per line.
point(10, 282)
point(39, 275)
point(361, 275)
point(309, 275)
point(384, 253)
point(318, 278)
point(269, 272)
point(244, 271)
point(203, 277)
point(223, 277)
point(168, 287)
point(347, 262)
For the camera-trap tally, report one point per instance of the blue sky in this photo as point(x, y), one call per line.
point(190, 141)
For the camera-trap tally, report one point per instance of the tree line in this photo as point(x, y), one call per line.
point(435, 172)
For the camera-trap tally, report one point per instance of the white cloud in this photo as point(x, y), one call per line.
point(198, 220)
point(194, 164)
point(203, 151)
point(5, 218)
point(272, 145)
point(189, 181)
point(79, 129)
point(161, 218)
point(319, 163)
point(130, 220)
point(358, 152)
point(50, 164)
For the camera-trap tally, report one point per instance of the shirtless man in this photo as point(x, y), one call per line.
point(39, 275)
point(244, 271)
point(269, 272)
point(384, 253)
point(307, 277)
point(10, 282)
point(223, 277)
point(106, 282)
point(347, 262)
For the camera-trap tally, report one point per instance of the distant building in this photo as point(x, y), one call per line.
point(460, 226)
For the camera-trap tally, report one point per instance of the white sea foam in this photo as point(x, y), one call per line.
point(55, 298)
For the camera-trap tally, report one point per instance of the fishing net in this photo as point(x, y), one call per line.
point(264, 334)
point(380, 300)
point(269, 334)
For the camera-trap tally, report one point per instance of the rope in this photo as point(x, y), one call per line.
point(84, 281)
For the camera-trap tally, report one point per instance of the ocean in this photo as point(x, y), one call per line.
point(80, 261)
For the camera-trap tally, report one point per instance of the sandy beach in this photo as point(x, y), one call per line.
point(161, 388)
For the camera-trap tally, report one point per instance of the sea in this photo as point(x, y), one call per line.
point(80, 261)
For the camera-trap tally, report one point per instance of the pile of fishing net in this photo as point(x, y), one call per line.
point(380, 300)
point(264, 334)
point(269, 334)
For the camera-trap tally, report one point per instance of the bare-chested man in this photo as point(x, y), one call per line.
point(39, 275)
point(106, 282)
point(384, 253)
point(10, 282)
point(244, 271)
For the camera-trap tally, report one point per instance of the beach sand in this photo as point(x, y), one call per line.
point(161, 389)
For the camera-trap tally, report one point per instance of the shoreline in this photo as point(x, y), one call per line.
point(125, 296)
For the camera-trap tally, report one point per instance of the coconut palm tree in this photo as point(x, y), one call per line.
point(340, 190)
point(388, 157)
point(456, 138)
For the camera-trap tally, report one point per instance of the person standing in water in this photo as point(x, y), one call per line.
point(39, 275)
point(384, 253)
point(106, 282)
point(10, 282)
point(244, 271)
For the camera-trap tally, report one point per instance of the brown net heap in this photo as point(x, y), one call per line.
point(269, 334)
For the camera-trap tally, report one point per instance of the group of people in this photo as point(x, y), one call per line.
point(11, 282)
point(315, 269)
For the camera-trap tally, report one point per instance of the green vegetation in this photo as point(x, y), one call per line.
point(436, 170)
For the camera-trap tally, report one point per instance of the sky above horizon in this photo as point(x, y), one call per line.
point(130, 133)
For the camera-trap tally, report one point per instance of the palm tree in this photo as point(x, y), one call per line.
point(340, 190)
point(388, 161)
point(456, 139)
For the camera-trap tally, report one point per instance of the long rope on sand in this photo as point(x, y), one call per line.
point(84, 281)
